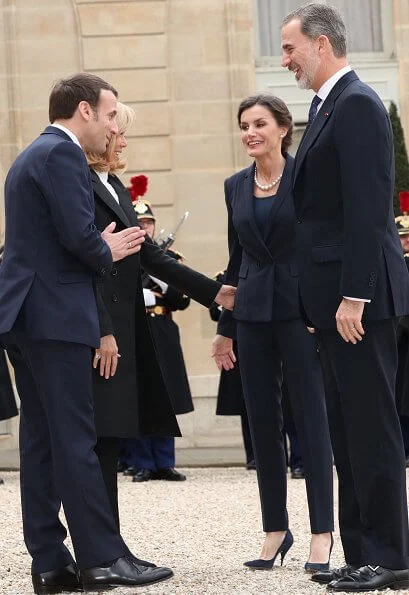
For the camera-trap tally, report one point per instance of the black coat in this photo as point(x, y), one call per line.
point(135, 401)
point(230, 400)
point(166, 338)
point(8, 407)
point(347, 242)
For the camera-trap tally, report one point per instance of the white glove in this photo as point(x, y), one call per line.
point(164, 286)
point(149, 297)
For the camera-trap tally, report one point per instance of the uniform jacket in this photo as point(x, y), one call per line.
point(135, 401)
point(53, 250)
point(347, 242)
point(166, 338)
point(262, 267)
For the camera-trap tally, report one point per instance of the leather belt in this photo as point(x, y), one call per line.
point(157, 310)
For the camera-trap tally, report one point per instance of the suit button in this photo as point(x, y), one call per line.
point(299, 221)
point(114, 272)
point(114, 298)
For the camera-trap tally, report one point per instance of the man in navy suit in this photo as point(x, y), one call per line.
point(353, 283)
point(53, 257)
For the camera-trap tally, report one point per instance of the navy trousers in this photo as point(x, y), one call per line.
point(156, 452)
point(264, 348)
point(58, 462)
point(368, 446)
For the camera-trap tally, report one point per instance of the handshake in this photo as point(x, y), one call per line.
point(129, 241)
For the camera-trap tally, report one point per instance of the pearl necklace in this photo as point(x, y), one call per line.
point(266, 186)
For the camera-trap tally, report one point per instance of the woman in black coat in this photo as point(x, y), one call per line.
point(130, 396)
point(153, 457)
point(271, 334)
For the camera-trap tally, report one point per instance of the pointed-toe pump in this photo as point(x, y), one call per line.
point(268, 564)
point(319, 566)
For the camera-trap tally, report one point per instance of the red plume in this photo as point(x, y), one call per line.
point(404, 201)
point(138, 187)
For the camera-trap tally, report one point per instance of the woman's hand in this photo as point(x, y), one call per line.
point(107, 356)
point(222, 351)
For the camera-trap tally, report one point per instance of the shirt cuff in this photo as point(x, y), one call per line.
point(149, 297)
point(164, 286)
point(356, 299)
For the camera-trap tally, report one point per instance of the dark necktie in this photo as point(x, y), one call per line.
point(313, 109)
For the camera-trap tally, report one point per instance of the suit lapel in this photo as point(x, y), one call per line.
point(124, 199)
point(284, 189)
point(101, 191)
point(320, 121)
point(247, 195)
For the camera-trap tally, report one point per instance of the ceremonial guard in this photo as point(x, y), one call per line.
point(402, 377)
point(230, 400)
point(153, 457)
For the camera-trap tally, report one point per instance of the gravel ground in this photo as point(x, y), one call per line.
point(204, 529)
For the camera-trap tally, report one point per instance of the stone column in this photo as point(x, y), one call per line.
point(401, 19)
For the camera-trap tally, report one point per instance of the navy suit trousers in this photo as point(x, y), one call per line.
point(264, 348)
point(58, 462)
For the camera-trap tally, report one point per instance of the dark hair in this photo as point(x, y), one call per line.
point(320, 19)
point(68, 93)
point(278, 110)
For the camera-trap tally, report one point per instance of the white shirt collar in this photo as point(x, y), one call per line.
point(68, 133)
point(327, 87)
point(103, 175)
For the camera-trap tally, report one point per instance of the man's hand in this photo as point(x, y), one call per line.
point(125, 242)
point(222, 351)
point(106, 356)
point(348, 317)
point(225, 296)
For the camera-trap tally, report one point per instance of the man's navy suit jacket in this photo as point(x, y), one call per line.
point(347, 243)
point(53, 251)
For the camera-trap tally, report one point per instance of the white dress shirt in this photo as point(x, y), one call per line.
point(323, 93)
point(103, 176)
point(68, 133)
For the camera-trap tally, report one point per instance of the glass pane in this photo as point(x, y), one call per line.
point(362, 18)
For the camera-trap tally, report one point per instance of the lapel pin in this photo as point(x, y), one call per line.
point(326, 114)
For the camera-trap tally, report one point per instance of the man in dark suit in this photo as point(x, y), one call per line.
point(353, 283)
point(49, 323)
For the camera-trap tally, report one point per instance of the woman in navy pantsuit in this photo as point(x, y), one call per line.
point(270, 333)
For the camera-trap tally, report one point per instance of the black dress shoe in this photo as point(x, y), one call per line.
point(371, 578)
point(123, 572)
point(141, 562)
point(297, 473)
point(143, 475)
point(327, 576)
point(168, 474)
point(131, 471)
point(57, 581)
point(251, 465)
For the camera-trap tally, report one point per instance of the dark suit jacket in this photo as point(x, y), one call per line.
point(263, 268)
point(136, 400)
point(347, 243)
point(52, 249)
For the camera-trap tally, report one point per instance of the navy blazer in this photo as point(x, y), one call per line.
point(262, 267)
point(53, 250)
point(347, 243)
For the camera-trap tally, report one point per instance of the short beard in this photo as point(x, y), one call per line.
point(308, 75)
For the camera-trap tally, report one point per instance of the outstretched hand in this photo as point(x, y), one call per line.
point(222, 352)
point(125, 242)
point(225, 296)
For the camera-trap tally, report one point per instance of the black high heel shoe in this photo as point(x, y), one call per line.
point(268, 564)
point(320, 566)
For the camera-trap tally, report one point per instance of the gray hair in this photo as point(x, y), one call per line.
point(320, 19)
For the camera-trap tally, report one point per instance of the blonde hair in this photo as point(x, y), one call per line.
point(109, 161)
